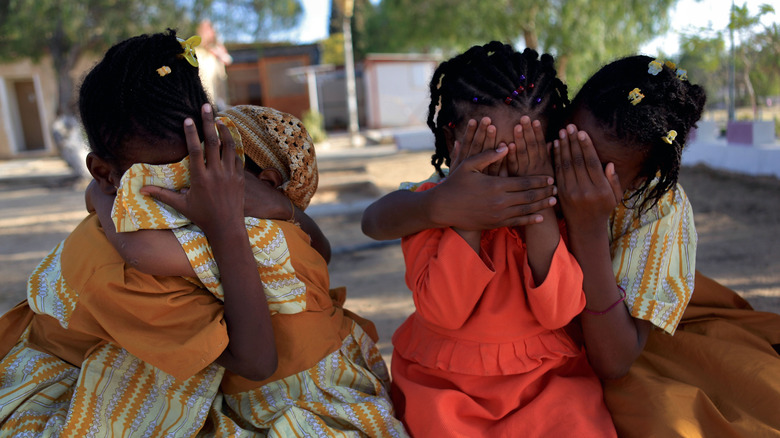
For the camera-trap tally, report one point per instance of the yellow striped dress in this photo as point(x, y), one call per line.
point(100, 349)
point(331, 379)
point(654, 258)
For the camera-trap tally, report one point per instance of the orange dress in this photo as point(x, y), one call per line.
point(485, 353)
point(102, 348)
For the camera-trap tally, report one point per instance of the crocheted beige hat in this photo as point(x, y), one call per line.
point(275, 139)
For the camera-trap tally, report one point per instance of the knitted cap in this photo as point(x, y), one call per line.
point(278, 140)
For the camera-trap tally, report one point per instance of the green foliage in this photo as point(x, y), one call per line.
point(583, 34)
point(67, 29)
point(33, 28)
point(333, 49)
point(242, 19)
point(706, 60)
point(315, 125)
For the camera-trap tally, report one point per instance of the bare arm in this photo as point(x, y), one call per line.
point(532, 158)
point(153, 252)
point(215, 202)
point(588, 194)
point(263, 201)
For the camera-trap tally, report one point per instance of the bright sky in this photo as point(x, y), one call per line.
point(687, 17)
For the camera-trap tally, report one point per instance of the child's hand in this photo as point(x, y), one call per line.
point(215, 198)
point(531, 155)
point(470, 200)
point(477, 138)
point(588, 193)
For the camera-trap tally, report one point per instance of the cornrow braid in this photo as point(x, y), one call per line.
point(493, 74)
point(124, 96)
point(669, 103)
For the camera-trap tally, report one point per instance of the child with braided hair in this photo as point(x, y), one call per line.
point(330, 376)
point(618, 164)
point(99, 347)
point(486, 352)
point(188, 348)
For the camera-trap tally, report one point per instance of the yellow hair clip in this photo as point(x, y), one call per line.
point(654, 67)
point(164, 70)
point(682, 74)
point(635, 96)
point(189, 49)
point(670, 136)
point(670, 64)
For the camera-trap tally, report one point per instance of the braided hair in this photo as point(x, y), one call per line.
point(492, 75)
point(669, 103)
point(124, 97)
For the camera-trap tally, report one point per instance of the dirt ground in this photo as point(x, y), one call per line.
point(737, 218)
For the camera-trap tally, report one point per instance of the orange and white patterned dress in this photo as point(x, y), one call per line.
point(331, 379)
point(654, 258)
point(99, 348)
point(719, 375)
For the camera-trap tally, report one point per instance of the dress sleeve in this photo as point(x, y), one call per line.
point(165, 321)
point(446, 276)
point(654, 256)
point(560, 297)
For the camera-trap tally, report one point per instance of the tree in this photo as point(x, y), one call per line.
point(743, 23)
point(65, 30)
point(582, 34)
point(706, 60)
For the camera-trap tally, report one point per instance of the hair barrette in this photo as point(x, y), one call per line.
point(635, 96)
point(189, 49)
point(671, 65)
point(669, 137)
point(654, 67)
point(164, 70)
point(682, 74)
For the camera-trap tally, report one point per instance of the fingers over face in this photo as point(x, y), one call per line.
point(577, 159)
point(564, 170)
point(523, 183)
point(463, 145)
point(210, 137)
point(592, 161)
point(229, 157)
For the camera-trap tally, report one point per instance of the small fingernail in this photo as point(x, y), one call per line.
point(188, 122)
point(562, 134)
point(538, 219)
point(552, 201)
point(556, 143)
point(550, 181)
point(207, 108)
point(571, 129)
point(501, 148)
point(555, 190)
point(581, 135)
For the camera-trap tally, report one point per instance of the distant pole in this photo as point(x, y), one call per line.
point(314, 101)
point(349, 66)
point(732, 66)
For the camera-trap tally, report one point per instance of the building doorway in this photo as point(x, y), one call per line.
point(29, 116)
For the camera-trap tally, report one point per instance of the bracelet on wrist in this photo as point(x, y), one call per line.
point(612, 306)
point(292, 216)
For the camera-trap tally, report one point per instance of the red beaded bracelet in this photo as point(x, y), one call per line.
point(622, 298)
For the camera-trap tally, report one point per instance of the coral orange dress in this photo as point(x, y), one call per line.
point(486, 353)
